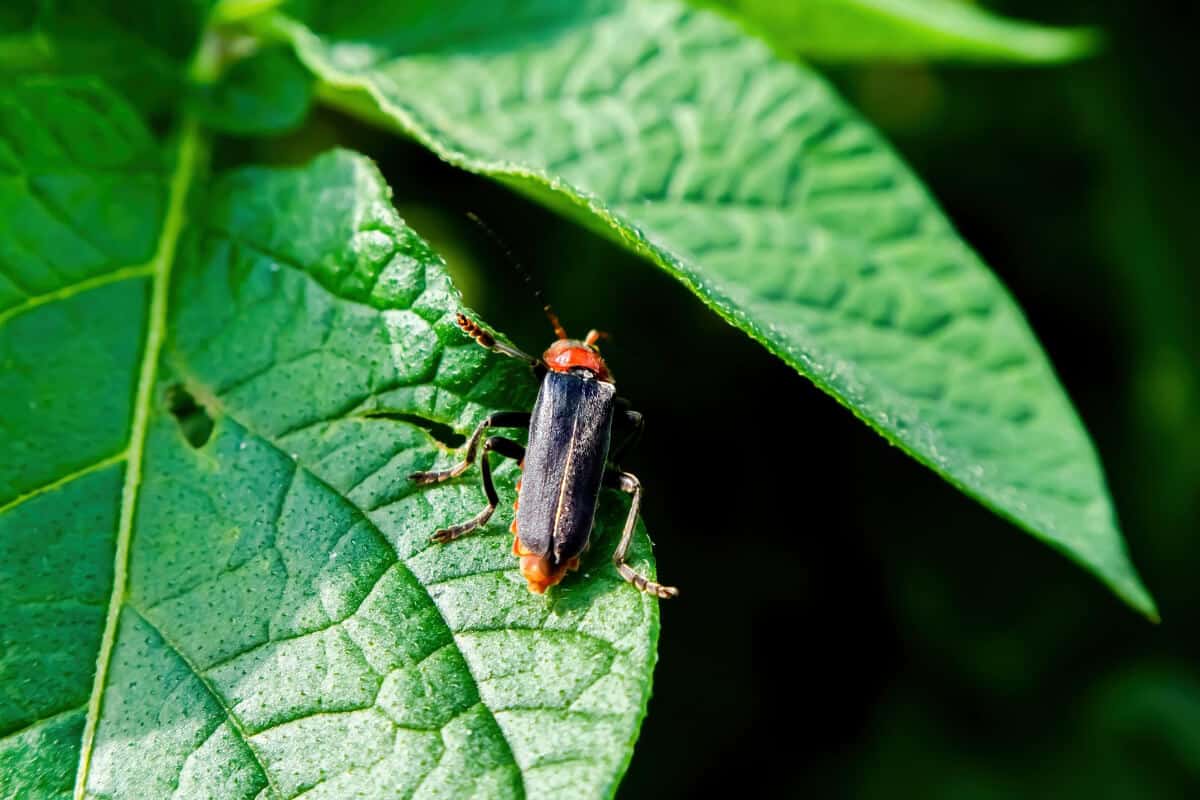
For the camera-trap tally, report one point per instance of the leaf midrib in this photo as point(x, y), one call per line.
point(190, 154)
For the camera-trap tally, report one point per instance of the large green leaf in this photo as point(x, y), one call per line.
point(744, 177)
point(845, 30)
point(215, 578)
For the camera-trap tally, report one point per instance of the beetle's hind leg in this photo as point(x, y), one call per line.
point(502, 419)
point(505, 447)
point(627, 482)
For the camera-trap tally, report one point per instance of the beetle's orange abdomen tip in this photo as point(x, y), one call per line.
point(539, 574)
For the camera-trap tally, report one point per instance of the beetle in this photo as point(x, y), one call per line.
point(564, 465)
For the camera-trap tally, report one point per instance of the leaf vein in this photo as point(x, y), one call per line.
point(70, 290)
point(35, 724)
point(65, 479)
point(234, 720)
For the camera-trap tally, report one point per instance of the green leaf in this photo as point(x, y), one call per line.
point(215, 577)
point(140, 47)
point(143, 49)
point(265, 94)
point(743, 176)
point(947, 30)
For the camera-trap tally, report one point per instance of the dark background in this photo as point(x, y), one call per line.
point(851, 626)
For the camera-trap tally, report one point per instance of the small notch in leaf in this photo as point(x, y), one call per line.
point(440, 431)
point(194, 422)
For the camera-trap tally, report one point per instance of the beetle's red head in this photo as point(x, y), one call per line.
point(567, 354)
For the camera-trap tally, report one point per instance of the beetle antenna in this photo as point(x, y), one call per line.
point(520, 270)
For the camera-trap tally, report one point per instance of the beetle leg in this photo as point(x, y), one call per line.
point(627, 482)
point(636, 423)
point(505, 447)
point(502, 419)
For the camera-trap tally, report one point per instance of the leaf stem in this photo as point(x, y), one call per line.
point(229, 11)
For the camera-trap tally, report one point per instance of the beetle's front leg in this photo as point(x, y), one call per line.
point(502, 419)
point(627, 482)
point(505, 447)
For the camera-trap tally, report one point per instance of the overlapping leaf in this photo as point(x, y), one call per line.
point(743, 176)
point(949, 30)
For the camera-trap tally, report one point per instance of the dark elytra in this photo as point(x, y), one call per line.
point(564, 464)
